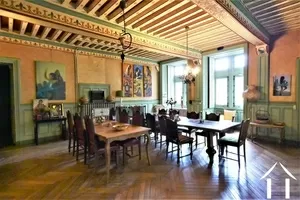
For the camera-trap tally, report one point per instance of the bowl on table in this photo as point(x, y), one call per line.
point(120, 127)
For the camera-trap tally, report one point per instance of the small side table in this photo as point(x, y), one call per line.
point(272, 126)
point(62, 120)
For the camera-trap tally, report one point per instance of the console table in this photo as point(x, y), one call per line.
point(271, 126)
point(62, 120)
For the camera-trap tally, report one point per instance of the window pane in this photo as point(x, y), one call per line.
point(179, 70)
point(221, 91)
point(221, 64)
point(178, 91)
point(238, 90)
point(239, 61)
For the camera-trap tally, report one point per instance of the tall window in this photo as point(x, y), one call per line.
point(176, 87)
point(227, 81)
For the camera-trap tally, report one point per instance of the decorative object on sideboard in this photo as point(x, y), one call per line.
point(171, 102)
point(262, 117)
point(56, 109)
point(83, 100)
point(251, 94)
point(40, 109)
point(110, 98)
point(119, 93)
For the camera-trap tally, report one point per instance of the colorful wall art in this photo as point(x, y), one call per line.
point(50, 81)
point(147, 81)
point(282, 85)
point(138, 81)
point(127, 80)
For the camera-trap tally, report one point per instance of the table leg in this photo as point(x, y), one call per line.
point(282, 132)
point(147, 148)
point(36, 137)
point(107, 159)
point(64, 130)
point(210, 148)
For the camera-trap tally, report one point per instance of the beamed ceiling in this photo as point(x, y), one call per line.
point(157, 26)
point(276, 16)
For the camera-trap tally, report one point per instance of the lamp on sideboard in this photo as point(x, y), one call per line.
point(119, 93)
point(251, 94)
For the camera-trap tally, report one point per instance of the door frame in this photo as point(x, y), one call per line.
point(15, 91)
point(298, 95)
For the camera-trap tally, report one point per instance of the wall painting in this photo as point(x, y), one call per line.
point(147, 81)
point(138, 81)
point(127, 80)
point(282, 85)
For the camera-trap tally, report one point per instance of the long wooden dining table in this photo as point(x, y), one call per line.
point(107, 134)
point(210, 126)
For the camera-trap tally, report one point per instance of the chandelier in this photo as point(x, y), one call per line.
point(124, 34)
point(191, 70)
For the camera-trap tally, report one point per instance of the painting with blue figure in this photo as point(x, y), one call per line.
point(50, 81)
point(138, 81)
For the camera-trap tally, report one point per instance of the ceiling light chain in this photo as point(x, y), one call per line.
point(122, 5)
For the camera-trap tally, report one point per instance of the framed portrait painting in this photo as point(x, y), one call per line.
point(147, 81)
point(282, 85)
point(50, 81)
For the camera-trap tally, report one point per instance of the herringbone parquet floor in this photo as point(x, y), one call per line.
point(48, 171)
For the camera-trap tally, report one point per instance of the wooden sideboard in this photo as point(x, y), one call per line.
point(254, 125)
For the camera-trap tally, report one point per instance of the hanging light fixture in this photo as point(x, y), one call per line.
point(125, 44)
point(191, 70)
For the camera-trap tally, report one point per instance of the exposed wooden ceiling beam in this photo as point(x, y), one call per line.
point(118, 11)
point(139, 6)
point(168, 15)
point(10, 24)
point(106, 7)
point(215, 9)
point(94, 6)
point(55, 35)
point(23, 27)
point(35, 29)
point(64, 37)
point(66, 2)
point(73, 39)
point(80, 4)
point(45, 32)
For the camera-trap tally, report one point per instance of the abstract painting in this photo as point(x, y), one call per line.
point(50, 81)
point(147, 82)
point(282, 85)
point(127, 80)
point(138, 81)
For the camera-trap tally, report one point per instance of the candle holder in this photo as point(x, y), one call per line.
point(171, 102)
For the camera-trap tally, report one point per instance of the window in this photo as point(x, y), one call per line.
point(176, 88)
point(227, 80)
point(222, 91)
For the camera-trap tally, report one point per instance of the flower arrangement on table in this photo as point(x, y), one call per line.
point(171, 102)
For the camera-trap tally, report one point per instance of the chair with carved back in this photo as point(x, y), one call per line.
point(80, 135)
point(151, 123)
point(236, 140)
point(190, 115)
point(210, 117)
point(174, 137)
point(71, 134)
point(137, 120)
point(162, 128)
point(162, 111)
point(96, 147)
point(124, 116)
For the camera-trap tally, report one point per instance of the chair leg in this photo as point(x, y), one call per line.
point(124, 154)
point(131, 149)
point(238, 150)
point(197, 140)
point(116, 157)
point(155, 139)
point(74, 142)
point(69, 147)
point(140, 155)
point(85, 153)
point(245, 151)
point(167, 149)
point(178, 154)
point(160, 141)
point(77, 151)
point(191, 154)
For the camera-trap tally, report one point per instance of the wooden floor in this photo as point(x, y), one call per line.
point(48, 171)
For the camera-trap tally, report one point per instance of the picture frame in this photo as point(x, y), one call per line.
point(56, 109)
point(39, 106)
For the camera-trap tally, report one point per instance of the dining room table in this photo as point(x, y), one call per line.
point(211, 127)
point(108, 134)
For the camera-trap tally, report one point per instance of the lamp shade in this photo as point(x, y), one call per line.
point(251, 93)
point(119, 93)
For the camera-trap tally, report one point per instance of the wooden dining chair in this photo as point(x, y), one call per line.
point(204, 133)
point(189, 131)
point(80, 135)
point(174, 137)
point(162, 111)
point(123, 116)
point(236, 140)
point(138, 120)
point(154, 128)
point(96, 147)
point(71, 134)
point(162, 128)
